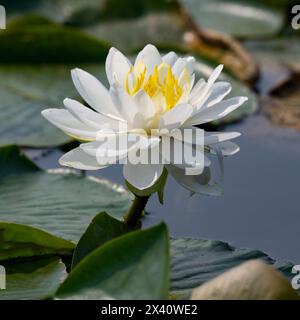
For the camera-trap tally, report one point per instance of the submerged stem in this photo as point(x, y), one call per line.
point(135, 212)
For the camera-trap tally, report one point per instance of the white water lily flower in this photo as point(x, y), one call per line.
point(156, 92)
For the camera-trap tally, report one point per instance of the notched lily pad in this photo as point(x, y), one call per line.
point(27, 87)
point(225, 16)
point(25, 91)
point(60, 202)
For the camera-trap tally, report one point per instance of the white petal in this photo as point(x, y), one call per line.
point(195, 138)
point(170, 58)
point(196, 91)
point(175, 117)
point(93, 92)
point(184, 155)
point(117, 67)
point(216, 137)
point(227, 148)
point(124, 103)
point(89, 117)
point(202, 95)
point(219, 90)
point(65, 121)
point(215, 74)
point(78, 159)
point(145, 105)
point(181, 63)
point(150, 57)
point(216, 112)
point(190, 64)
point(142, 176)
point(196, 184)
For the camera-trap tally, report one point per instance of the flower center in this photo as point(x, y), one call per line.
point(162, 85)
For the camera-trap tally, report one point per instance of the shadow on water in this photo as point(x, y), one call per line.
point(260, 207)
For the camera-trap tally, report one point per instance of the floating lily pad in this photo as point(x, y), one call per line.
point(33, 39)
point(25, 91)
point(243, 19)
point(32, 279)
point(129, 35)
point(60, 202)
point(284, 50)
point(204, 69)
point(195, 261)
point(86, 11)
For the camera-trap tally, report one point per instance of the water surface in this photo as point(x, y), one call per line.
point(260, 206)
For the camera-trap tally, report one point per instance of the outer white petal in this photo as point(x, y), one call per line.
point(216, 112)
point(196, 138)
point(196, 91)
point(202, 95)
point(216, 137)
point(195, 184)
point(170, 58)
point(89, 117)
point(118, 146)
point(78, 159)
point(65, 121)
point(215, 74)
point(175, 117)
point(117, 67)
point(142, 176)
point(184, 155)
point(93, 92)
point(227, 148)
point(150, 57)
point(219, 91)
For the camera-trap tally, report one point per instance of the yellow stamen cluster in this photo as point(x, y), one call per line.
point(162, 82)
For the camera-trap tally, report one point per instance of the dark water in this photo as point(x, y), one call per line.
point(260, 206)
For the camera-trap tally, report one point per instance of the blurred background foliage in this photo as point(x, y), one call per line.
point(239, 34)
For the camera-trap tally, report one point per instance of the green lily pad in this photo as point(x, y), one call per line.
point(18, 240)
point(81, 12)
point(132, 266)
point(32, 39)
point(25, 91)
point(243, 19)
point(102, 229)
point(203, 69)
point(283, 50)
point(162, 29)
point(59, 201)
point(26, 87)
point(196, 261)
point(33, 279)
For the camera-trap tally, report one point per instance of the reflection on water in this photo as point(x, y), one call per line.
point(260, 207)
